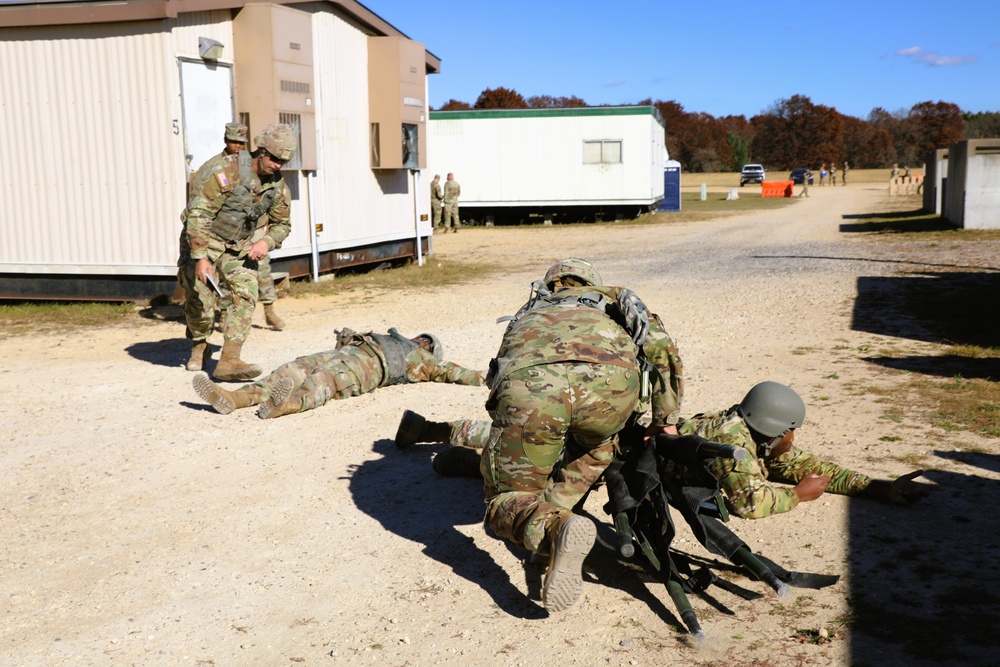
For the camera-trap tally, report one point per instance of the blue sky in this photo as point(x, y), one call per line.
point(721, 58)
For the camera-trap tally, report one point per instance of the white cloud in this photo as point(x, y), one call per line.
point(932, 59)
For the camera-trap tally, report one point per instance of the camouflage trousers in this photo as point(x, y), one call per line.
point(265, 282)
point(469, 433)
point(318, 378)
point(199, 305)
point(233, 273)
point(450, 215)
point(436, 213)
point(567, 413)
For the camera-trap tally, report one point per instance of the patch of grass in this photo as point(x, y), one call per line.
point(434, 273)
point(890, 438)
point(20, 317)
point(715, 205)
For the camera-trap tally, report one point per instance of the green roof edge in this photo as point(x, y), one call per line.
point(644, 110)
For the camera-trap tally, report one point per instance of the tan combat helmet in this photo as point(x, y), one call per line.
point(277, 139)
point(572, 267)
point(237, 132)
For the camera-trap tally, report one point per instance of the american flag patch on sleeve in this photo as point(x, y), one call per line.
point(223, 181)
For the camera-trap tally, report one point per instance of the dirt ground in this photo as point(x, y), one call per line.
point(139, 527)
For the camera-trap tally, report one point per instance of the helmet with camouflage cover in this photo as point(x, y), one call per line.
point(277, 139)
point(772, 409)
point(437, 347)
point(572, 267)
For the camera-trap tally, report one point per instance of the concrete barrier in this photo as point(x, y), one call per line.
point(906, 185)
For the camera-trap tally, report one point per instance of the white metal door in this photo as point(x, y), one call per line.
point(207, 101)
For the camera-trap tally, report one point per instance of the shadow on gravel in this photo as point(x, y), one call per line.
point(957, 308)
point(403, 493)
point(172, 352)
point(945, 366)
point(924, 583)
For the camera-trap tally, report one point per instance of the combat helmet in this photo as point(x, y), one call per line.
point(437, 347)
point(277, 139)
point(573, 267)
point(772, 409)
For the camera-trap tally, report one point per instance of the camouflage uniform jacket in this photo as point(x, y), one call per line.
point(436, 196)
point(451, 191)
point(210, 194)
point(565, 331)
point(745, 483)
point(366, 359)
point(196, 180)
point(661, 351)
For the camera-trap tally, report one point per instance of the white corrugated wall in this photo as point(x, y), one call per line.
point(533, 161)
point(88, 111)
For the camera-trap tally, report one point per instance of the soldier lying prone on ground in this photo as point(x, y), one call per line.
point(360, 363)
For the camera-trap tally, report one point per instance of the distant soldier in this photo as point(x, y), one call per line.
point(895, 170)
point(568, 377)
point(805, 183)
point(437, 200)
point(452, 190)
point(360, 363)
point(843, 174)
point(238, 213)
point(833, 174)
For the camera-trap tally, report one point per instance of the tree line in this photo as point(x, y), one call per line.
point(792, 133)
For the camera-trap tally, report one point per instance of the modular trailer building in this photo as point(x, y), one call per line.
point(574, 163)
point(109, 107)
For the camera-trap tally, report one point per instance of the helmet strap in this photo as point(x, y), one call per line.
point(769, 445)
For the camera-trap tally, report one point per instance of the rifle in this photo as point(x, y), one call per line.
point(646, 480)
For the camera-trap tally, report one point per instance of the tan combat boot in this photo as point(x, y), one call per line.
point(272, 318)
point(572, 537)
point(281, 401)
point(414, 428)
point(197, 359)
point(223, 400)
point(231, 367)
point(458, 462)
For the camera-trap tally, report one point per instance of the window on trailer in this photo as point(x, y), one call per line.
point(602, 152)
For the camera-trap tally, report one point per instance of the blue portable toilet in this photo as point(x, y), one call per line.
point(671, 186)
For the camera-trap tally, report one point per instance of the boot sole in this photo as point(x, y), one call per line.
point(245, 374)
point(211, 394)
point(564, 580)
point(280, 392)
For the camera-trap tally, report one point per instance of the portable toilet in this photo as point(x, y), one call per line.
point(671, 186)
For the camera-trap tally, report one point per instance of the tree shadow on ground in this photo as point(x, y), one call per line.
point(957, 308)
point(924, 582)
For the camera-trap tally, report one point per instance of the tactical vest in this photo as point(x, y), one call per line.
point(394, 347)
point(627, 311)
point(237, 218)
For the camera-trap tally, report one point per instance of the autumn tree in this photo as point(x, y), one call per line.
point(500, 98)
point(867, 146)
point(549, 102)
point(795, 132)
point(982, 125)
point(455, 105)
point(935, 125)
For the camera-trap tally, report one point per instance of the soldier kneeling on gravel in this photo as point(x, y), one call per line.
point(360, 363)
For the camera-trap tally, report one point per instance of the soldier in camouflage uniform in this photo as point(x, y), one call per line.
point(452, 190)
point(764, 424)
point(361, 363)
point(568, 377)
point(437, 200)
point(238, 213)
